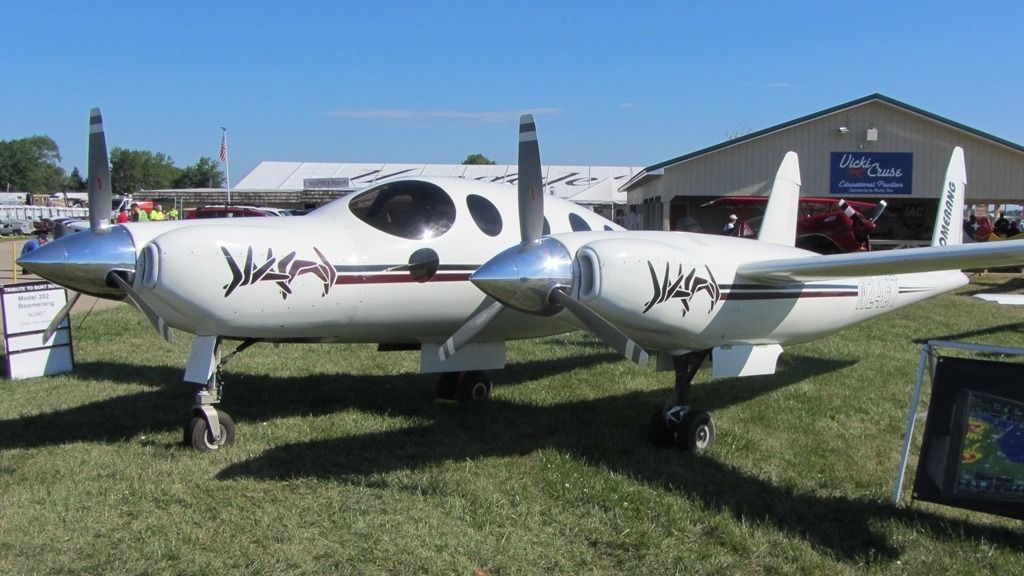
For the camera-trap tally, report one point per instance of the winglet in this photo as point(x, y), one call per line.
point(949, 223)
point(779, 223)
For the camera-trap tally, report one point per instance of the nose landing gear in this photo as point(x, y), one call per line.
point(677, 424)
point(209, 429)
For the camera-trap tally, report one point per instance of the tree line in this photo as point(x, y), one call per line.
point(33, 165)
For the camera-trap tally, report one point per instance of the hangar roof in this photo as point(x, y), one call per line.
point(659, 169)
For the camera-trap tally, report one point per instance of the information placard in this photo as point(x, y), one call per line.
point(28, 309)
point(972, 453)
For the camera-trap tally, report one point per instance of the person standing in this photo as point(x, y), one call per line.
point(122, 216)
point(157, 214)
point(41, 238)
point(730, 226)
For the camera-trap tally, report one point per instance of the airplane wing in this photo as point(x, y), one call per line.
point(927, 259)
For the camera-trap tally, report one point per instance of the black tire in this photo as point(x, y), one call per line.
point(658, 432)
point(473, 387)
point(447, 383)
point(696, 433)
point(197, 433)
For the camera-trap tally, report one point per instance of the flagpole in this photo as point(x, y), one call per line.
point(224, 159)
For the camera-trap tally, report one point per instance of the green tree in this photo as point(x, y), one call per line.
point(203, 174)
point(30, 165)
point(477, 159)
point(135, 170)
point(74, 182)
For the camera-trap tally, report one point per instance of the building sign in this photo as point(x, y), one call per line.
point(326, 183)
point(875, 173)
point(28, 309)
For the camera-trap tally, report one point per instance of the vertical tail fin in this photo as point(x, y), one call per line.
point(949, 220)
point(779, 223)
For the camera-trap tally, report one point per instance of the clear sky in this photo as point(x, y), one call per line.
point(630, 83)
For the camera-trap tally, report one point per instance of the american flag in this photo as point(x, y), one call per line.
point(224, 145)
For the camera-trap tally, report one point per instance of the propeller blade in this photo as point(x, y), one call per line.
point(531, 183)
point(878, 210)
point(602, 328)
point(59, 318)
point(99, 174)
point(470, 329)
point(154, 318)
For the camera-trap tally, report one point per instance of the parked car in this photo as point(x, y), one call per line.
point(229, 212)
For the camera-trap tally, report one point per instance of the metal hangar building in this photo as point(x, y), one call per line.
point(873, 148)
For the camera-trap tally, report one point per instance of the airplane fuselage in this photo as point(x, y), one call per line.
point(677, 292)
point(346, 272)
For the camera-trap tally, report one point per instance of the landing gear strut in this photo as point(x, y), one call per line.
point(209, 428)
point(463, 387)
point(677, 424)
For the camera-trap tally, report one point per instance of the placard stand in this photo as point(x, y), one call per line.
point(977, 408)
point(28, 308)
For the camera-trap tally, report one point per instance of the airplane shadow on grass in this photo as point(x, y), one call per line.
point(247, 397)
point(611, 433)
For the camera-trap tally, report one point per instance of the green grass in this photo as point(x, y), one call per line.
point(345, 465)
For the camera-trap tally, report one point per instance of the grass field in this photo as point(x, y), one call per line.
point(345, 464)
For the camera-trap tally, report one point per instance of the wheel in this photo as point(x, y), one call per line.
point(473, 387)
point(696, 432)
point(197, 433)
point(659, 432)
point(446, 385)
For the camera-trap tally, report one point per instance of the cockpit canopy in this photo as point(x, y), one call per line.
point(410, 209)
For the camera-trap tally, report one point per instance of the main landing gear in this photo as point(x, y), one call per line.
point(209, 428)
point(677, 424)
point(463, 387)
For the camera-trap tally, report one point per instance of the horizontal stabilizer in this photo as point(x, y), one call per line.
point(927, 259)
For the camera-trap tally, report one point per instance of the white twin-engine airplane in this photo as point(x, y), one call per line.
point(396, 265)
point(388, 265)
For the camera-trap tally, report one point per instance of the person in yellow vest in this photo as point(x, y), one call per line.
point(138, 214)
point(157, 214)
point(172, 214)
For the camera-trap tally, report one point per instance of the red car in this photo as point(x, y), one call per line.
point(228, 212)
point(826, 225)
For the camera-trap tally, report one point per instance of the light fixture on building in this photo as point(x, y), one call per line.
point(843, 129)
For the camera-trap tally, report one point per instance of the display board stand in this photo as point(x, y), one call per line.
point(992, 386)
point(28, 308)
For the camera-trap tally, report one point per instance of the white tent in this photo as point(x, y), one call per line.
point(599, 183)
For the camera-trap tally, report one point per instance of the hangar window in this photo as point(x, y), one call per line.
point(485, 214)
point(408, 209)
point(577, 223)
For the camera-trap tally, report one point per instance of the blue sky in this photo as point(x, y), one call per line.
point(402, 81)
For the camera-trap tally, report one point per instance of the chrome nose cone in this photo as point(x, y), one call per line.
point(82, 261)
point(524, 276)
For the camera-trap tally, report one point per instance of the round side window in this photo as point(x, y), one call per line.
point(485, 214)
point(577, 223)
point(423, 264)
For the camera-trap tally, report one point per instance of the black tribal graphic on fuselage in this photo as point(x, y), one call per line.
point(683, 288)
point(288, 268)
